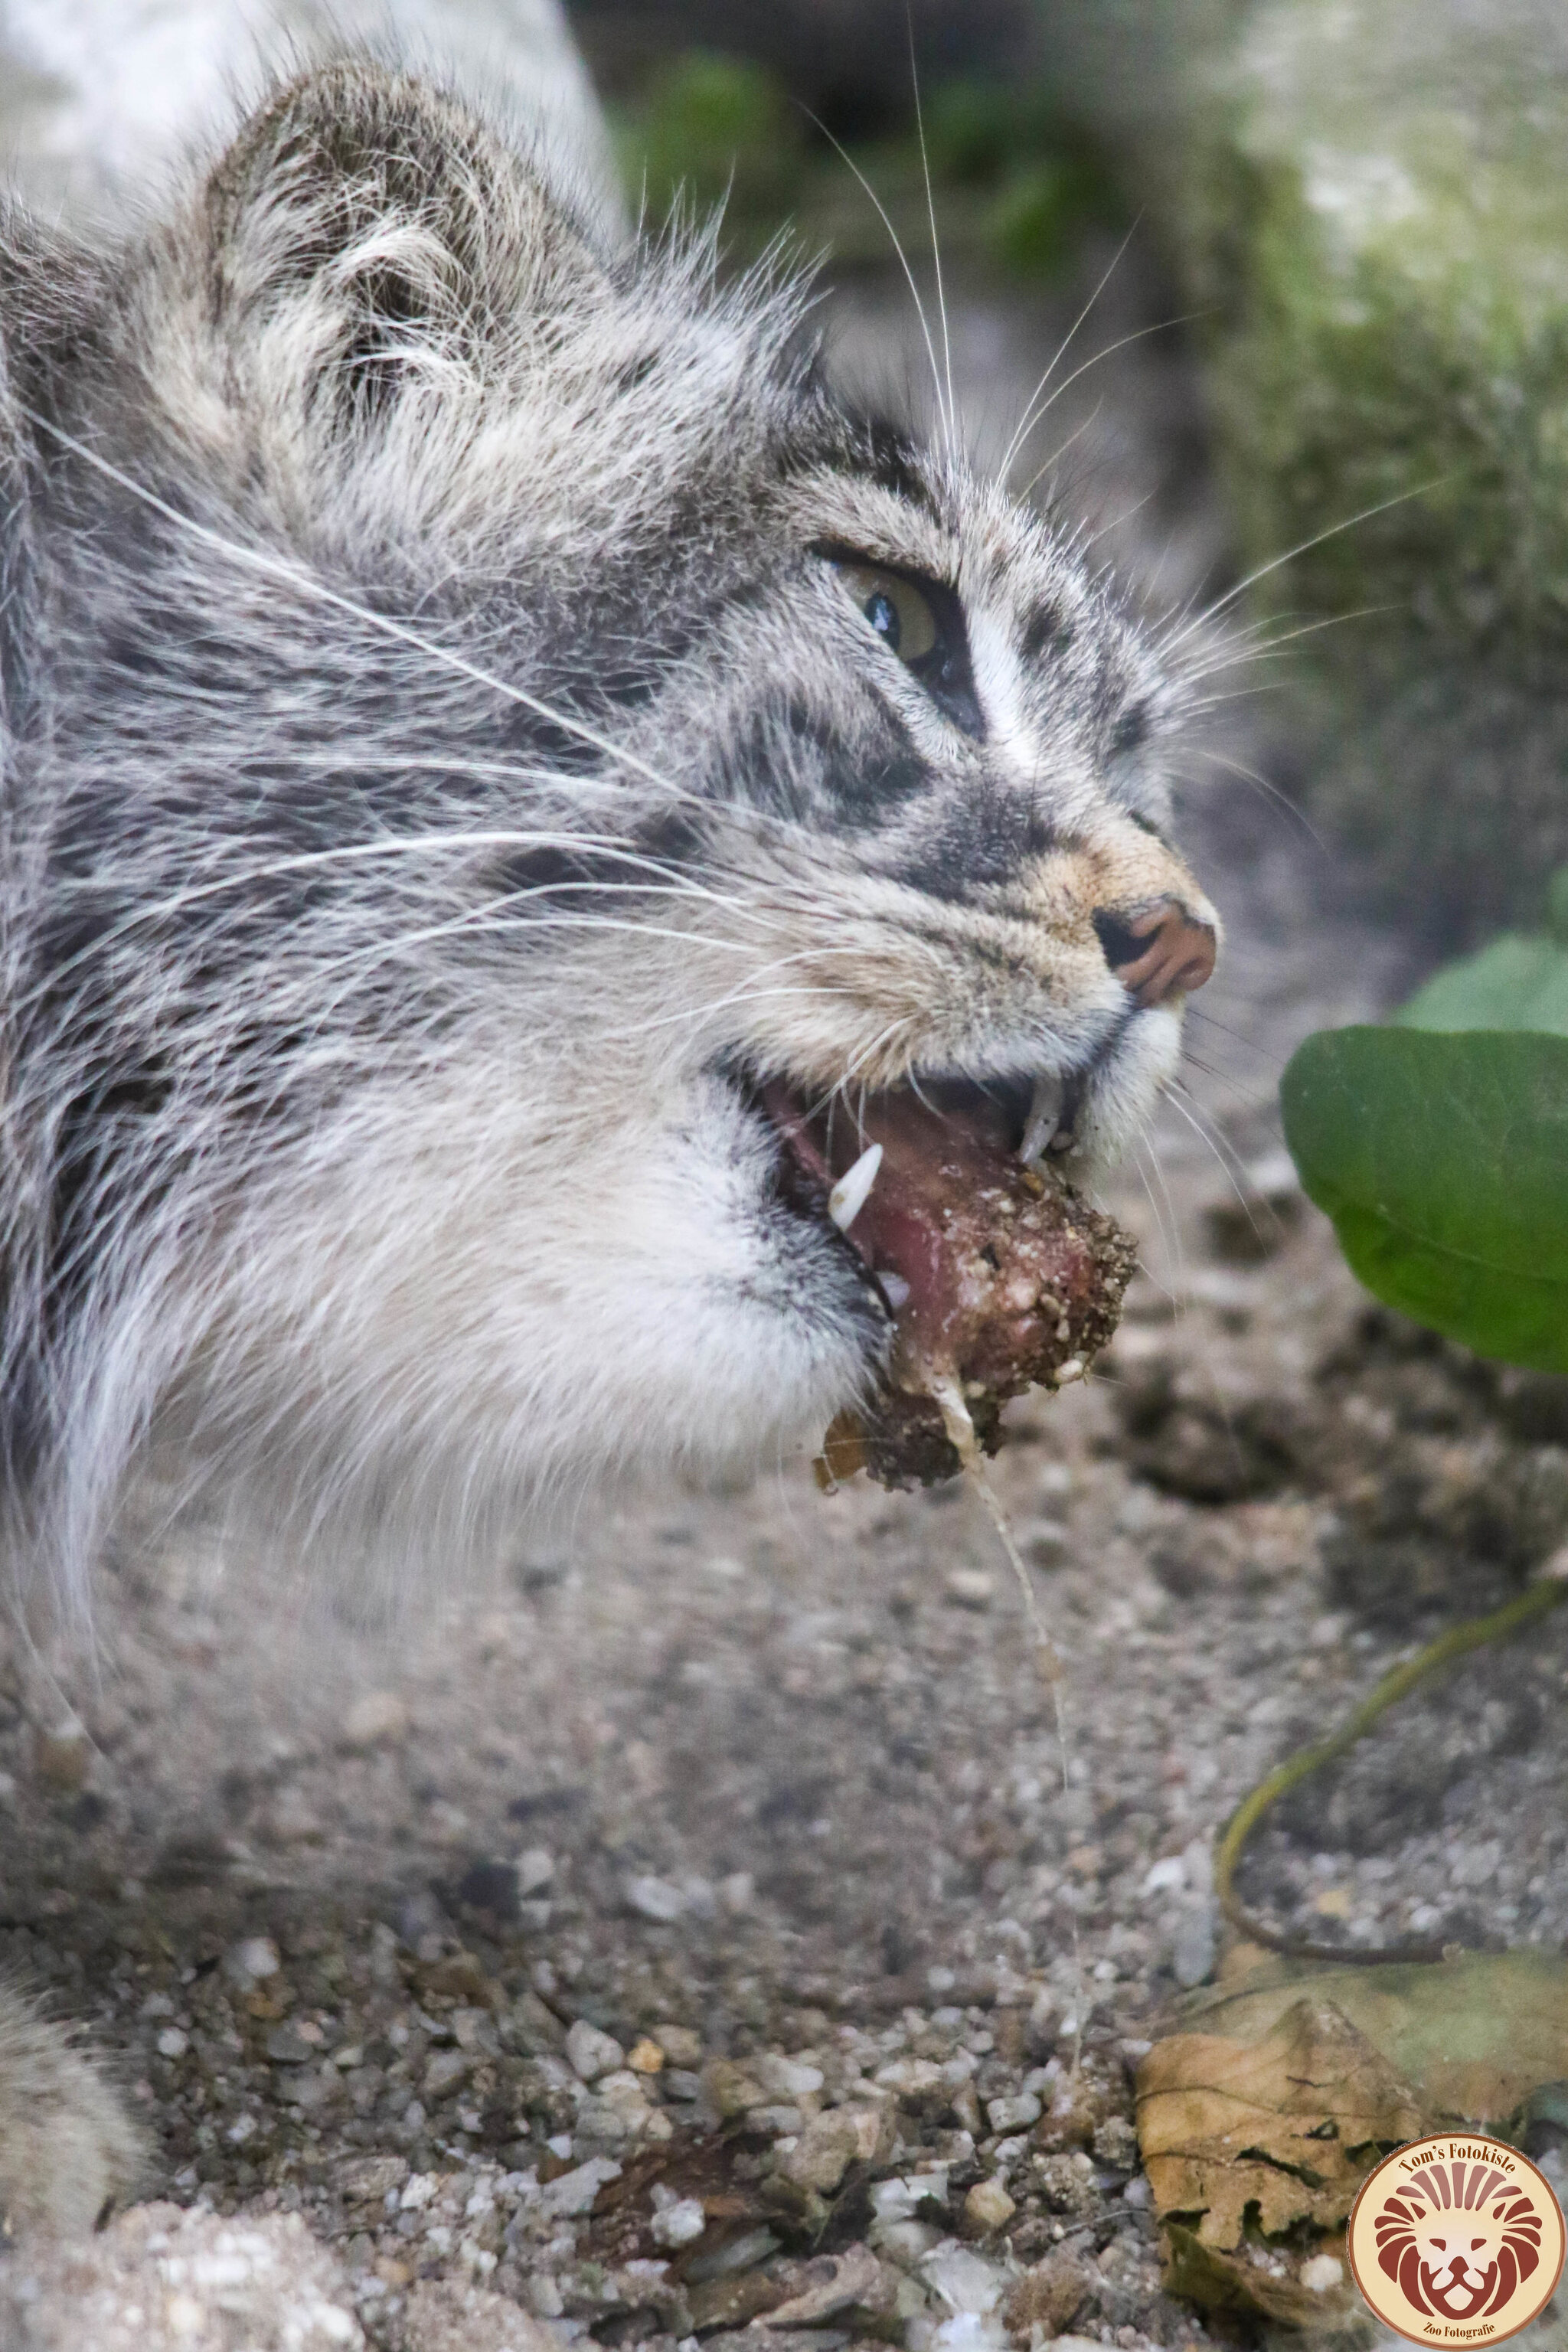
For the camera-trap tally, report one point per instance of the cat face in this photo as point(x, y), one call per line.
point(522, 750)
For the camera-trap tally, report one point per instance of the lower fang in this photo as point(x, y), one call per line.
point(1045, 1115)
point(895, 1290)
point(850, 1196)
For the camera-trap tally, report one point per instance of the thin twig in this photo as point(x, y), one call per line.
point(1474, 1633)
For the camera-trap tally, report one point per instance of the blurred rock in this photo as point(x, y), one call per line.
point(988, 2208)
point(1364, 200)
point(444, 2317)
point(94, 100)
point(1380, 218)
point(1184, 1438)
point(377, 1718)
point(159, 2280)
point(62, 1756)
point(1047, 2296)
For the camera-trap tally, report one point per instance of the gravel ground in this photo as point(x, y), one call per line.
point(701, 1924)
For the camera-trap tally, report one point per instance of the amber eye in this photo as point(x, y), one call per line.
point(921, 620)
point(898, 611)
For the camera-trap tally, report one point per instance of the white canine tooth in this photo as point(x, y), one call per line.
point(1045, 1112)
point(896, 1290)
point(850, 1196)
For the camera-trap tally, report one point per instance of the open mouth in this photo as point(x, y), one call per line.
point(904, 1174)
point(996, 1275)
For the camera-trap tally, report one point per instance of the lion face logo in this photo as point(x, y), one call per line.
point(1457, 2238)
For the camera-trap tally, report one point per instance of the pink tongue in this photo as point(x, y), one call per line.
point(948, 1181)
point(1011, 1278)
point(940, 1191)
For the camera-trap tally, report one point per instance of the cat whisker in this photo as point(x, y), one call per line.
point(1269, 648)
point(1303, 547)
point(1210, 1134)
point(1237, 1036)
point(1247, 1101)
point(867, 1053)
point(935, 239)
point(1240, 769)
point(1039, 409)
point(1059, 452)
point(882, 214)
point(1023, 429)
point(1167, 1223)
point(670, 883)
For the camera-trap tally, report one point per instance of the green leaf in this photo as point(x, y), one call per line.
point(1443, 1160)
point(1518, 982)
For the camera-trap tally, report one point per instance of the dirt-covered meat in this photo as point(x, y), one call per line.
point(1000, 1276)
point(1012, 1279)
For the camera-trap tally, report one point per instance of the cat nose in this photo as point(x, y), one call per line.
point(1158, 952)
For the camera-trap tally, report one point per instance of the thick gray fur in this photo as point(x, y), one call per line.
point(443, 772)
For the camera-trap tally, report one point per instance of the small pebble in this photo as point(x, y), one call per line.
point(679, 2224)
point(1192, 1947)
point(376, 1719)
point(534, 1867)
point(251, 1961)
point(1322, 2273)
point(655, 1899)
point(824, 2151)
point(62, 1756)
point(988, 2206)
point(592, 2053)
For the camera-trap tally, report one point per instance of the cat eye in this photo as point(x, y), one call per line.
point(898, 611)
point(921, 620)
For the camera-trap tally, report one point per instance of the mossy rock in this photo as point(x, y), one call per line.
point(1376, 218)
point(1385, 234)
point(1366, 201)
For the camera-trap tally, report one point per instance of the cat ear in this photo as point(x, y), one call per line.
point(380, 228)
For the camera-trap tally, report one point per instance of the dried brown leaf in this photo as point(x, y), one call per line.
point(1281, 2131)
point(1473, 2036)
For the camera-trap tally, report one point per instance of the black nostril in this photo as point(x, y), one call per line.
point(1121, 945)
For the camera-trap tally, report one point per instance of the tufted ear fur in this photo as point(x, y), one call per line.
point(384, 229)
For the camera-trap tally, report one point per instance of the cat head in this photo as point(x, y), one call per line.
point(519, 747)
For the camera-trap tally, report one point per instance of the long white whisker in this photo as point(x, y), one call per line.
point(671, 884)
point(903, 260)
point(1011, 449)
point(1059, 452)
point(935, 240)
point(1303, 547)
point(1165, 1215)
point(867, 1053)
point(1235, 1037)
point(1039, 409)
point(1240, 769)
point(1207, 1133)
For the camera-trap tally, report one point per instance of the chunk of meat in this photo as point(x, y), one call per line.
point(1004, 1277)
